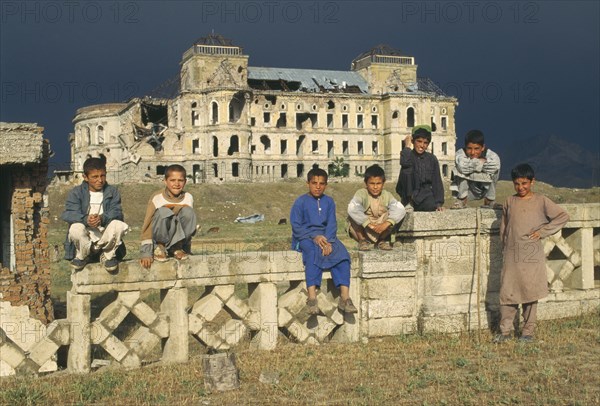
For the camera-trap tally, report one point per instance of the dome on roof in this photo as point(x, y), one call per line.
point(381, 49)
point(215, 39)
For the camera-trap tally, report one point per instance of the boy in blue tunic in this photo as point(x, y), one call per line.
point(314, 228)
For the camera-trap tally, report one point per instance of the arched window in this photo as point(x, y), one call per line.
point(195, 115)
point(215, 146)
point(266, 142)
point(88, 136)
point(234, 145)
point(215, 113)
point(100, 133)
point(410, 117)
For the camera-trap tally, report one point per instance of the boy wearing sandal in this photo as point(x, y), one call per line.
point(314, 229)
point(476, 172)
point(374, 213)
point(170, 221)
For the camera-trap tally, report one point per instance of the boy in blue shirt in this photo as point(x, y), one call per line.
point(314, 228)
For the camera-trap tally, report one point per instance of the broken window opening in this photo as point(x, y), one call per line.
point(279, 84)
point(329, 149)
point(236, 107)
point(445, 148)
point(155, 113)
point(271, 98)
point(395, 115)
point(302, 121)
point(314, 120)
point(444, 123)
point(100, 131)
point(359, 121)
point(284, 171)
point(196, 174)
point(234, 145)
point(330, 105)
point(214, 119)
point(445, 170)
point(266, 142)
point(235, 169)
point(195, 115)
point(375, 147)
point(266, 118)
point(88, 136)
point(215, 146)
point(195, 146)
point(215, 170)
point(283, 145)
point(252, 149)
point(282, 120)
point(300, 145)
point(344, 120)
point(252, 121)
point(329, 120)
point(433, 126)
point(160, 169)
point(374, 122)
point(315, 146)
point(345, 148)
point(410, 117)
point(300, 170)
point(360, 148)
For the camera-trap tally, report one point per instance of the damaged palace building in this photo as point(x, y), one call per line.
point(225, 121)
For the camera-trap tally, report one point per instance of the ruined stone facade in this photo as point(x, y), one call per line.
point(24, 258)
point(228, 121)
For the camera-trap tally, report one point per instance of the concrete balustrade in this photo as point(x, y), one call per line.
point(442, 276)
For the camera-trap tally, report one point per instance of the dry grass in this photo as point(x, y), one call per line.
point(561, 368)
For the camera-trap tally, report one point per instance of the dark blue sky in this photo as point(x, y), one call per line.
point(519, 69)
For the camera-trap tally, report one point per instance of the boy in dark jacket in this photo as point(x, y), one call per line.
point(93, 211)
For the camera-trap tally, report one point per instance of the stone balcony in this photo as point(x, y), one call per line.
point(442, 276)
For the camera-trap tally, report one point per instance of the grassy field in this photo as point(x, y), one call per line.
point(561, 368)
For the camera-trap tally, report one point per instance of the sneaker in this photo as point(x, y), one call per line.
point(364, 246)
point(384, 246)
point(160, 253)
point(313, 306)
point(501, 338)
point(111, 265)
point(526, 339)
point(346, 306)
point(78, 264)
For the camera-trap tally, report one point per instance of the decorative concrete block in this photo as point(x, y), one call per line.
point(115, 347)
point(208, 307)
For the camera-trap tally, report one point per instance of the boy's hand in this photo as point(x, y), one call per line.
point(322, 242)
point(379, 228)
point(408, 141)
point(535, 236)
point(146, 262)
point(94, 220)
point(441, 208)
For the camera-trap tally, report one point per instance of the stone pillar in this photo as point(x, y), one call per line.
point(263, 299)
point(583, 277)
point(80, 348)
point(174, 304)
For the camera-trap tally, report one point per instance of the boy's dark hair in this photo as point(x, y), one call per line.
point(91, 164)
point(374, 171)
point(421, 131)
point(522, 171)
point(474, 137)
point(317, 172)
point(175, 168)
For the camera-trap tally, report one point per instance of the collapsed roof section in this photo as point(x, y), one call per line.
point(306, 80)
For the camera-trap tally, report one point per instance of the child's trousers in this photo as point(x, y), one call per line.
point(507, 318)
point(169, 228)
point(89, 240)
point(473, 190)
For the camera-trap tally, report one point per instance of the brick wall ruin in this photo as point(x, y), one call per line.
point(24, 256)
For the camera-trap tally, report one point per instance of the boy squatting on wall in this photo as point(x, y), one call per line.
point(95, 216)
point(170, 221)
point(374, 214)
point(476, 172)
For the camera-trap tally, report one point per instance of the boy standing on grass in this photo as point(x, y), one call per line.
point(170, 221)
point(476, 172)
point(314, 228)
point(95, 216)
point(420, 182)
point(374, 213)
point(527, 217)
